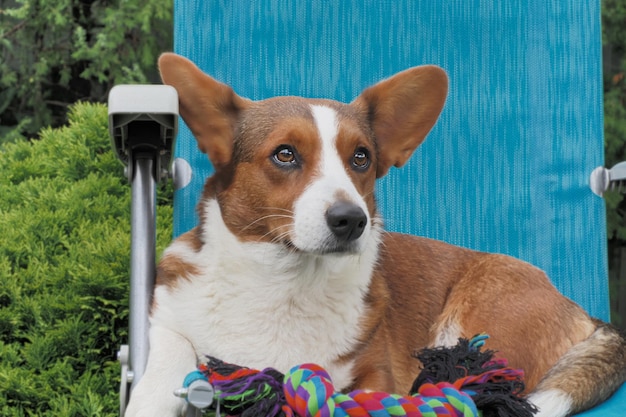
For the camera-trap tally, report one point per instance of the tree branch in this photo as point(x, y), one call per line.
point(14, 29)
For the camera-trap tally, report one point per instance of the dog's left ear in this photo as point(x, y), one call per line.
point(402, 110)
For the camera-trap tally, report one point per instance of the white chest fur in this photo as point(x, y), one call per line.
point(260, 305)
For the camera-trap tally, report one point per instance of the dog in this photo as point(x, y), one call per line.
point(290, 262)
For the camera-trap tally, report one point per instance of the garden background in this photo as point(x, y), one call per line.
point(65, 203)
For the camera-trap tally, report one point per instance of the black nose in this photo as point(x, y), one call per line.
point(346, 220)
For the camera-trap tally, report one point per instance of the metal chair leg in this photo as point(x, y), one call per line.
point(143, 122)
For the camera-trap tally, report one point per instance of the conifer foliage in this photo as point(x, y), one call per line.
point(64, 258)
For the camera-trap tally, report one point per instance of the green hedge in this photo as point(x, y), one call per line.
point(64, 261)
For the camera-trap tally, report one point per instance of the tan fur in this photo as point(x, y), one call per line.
point(608, 363)
point(420, 288)
point(402, 110)
point(171, 267)
point(428, 283)
point(211, 121)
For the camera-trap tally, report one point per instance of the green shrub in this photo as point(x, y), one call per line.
point(56, 52)
point(64, 261)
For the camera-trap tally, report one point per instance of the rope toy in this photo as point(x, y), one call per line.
point(309, 392)
point(456, 381)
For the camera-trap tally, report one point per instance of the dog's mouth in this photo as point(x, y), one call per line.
point(348, 249)
point(329, 248)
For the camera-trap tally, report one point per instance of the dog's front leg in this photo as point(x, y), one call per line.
point(171, 358)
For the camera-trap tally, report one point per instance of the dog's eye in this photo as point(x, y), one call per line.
point(285, 156)
point(361, 159)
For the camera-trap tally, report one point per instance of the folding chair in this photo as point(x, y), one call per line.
point(508, 166)
point(143, 122)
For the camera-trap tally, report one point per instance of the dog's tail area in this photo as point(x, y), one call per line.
point(585, 376)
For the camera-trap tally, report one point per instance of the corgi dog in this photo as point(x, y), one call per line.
point(290, 263)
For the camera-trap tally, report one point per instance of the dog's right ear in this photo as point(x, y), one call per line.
point(209, 108)
point(402, 110)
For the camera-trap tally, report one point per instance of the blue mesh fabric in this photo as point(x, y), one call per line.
point(506, 169)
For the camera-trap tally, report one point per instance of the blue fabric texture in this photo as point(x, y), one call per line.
point(506, 169)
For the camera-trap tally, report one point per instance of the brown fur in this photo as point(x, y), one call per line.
point(440, 282)
point(171, 268)
point(420, 288)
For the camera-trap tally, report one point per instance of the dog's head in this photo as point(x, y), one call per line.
point(301, 172)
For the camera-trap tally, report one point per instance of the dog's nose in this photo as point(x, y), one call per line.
point(346, 220)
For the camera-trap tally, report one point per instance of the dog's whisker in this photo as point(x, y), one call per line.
point(280, 236)
point(369, 193)
point(278, 209)
point(249, 225)
point(275, 230)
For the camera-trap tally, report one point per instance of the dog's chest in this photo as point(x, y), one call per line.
point(276, 314)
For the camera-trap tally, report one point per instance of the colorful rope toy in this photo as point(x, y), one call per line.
point(457, 381)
